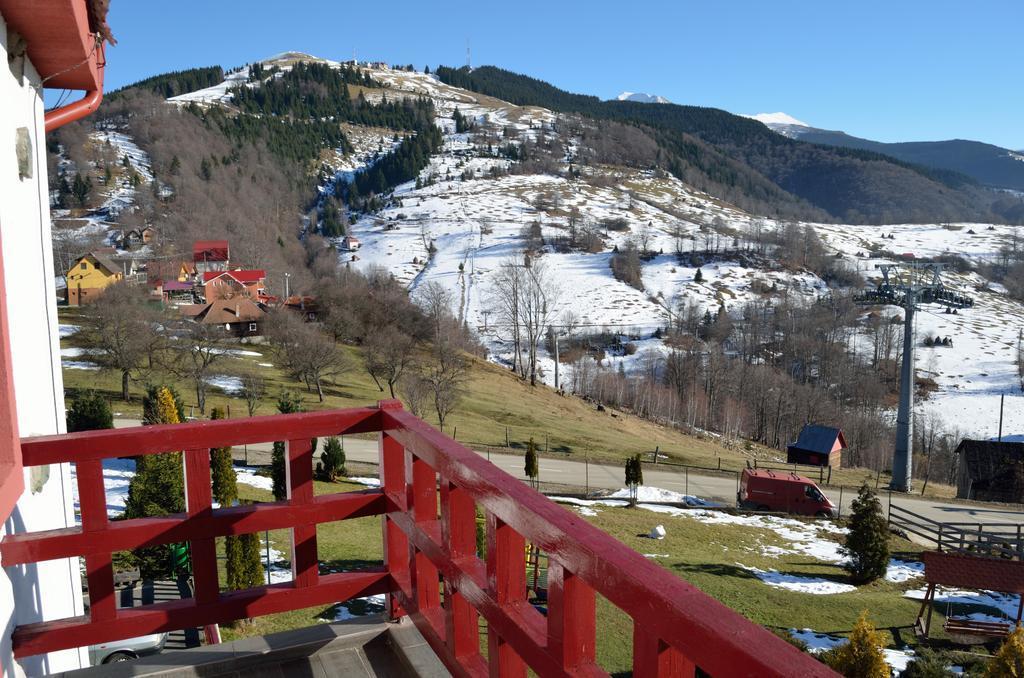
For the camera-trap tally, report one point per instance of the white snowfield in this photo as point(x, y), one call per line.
point(778, 118)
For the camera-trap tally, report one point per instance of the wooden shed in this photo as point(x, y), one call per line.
point(989, 470)
point(817, 446)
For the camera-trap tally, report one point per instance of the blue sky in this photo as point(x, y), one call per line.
point(895, 70)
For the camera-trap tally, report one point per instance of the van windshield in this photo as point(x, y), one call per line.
point(814, 493)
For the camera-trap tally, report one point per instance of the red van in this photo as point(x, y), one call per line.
point(765, 490)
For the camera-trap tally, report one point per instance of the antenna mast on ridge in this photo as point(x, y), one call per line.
point(469, 62)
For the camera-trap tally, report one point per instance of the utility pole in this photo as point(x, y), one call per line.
point(286, 290)
point(1002, 397)
point(906, 285)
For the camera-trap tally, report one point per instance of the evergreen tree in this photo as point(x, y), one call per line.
point(150, 405)
point(634, 477)
point(532, 468)
point(63, 192)
point(222, 470)
point(861, 656)
point(89, 412)
point(1009, 661)
point(175, 165)
point(244, 551)
point(867, 544)
point(204, 170)
point(698, 277)
point(81, 188)
point(157, 488)
point(288, 403)
point(332, 460)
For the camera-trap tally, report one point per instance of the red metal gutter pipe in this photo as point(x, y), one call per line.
point(81, 108)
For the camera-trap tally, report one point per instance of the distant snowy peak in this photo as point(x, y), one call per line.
point(642, 98)
point(782, 123)
point(1017, 155)
point(777, 119)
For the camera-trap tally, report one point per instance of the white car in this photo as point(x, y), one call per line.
point(127, 649)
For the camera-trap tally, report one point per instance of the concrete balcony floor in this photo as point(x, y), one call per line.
point(366, 646)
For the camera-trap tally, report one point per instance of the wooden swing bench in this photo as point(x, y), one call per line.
point(964, 626)
point(964, 570)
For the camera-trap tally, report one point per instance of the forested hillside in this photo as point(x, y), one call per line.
point(769, 173)
point(253, 171)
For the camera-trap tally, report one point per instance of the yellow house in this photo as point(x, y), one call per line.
point(90, 275)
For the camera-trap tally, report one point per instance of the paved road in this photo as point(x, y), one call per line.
point(720, 487)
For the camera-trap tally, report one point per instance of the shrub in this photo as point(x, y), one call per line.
point(867, 544)
point(927, 664)
point(89, 412)
point(1009, 661)
point(531, 467)
point(332, 460)
point(634, 477)
point(861, 656)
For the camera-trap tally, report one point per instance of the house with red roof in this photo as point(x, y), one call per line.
point(249, 284)
point(211, 255)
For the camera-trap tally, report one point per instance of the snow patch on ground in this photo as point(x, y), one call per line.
point(357, 607)
point(645, 493)
point(370, 482)
point(78, 365)
point(801, 584)
point(249, 476)
point(65, 331)
point(279, 571)
point(228, 384)
point(807, 538)
point(901, 570)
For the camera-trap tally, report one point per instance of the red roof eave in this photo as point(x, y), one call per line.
point(61, 47)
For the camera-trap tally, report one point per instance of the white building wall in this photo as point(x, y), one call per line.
point(52, 589)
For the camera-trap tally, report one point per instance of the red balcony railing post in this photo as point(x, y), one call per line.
point(458, 528)
point(396, 542)
point(653, 658)
point(299, 471)
point(99, 569)
point(425, 574)
point(506, 577)
point(572, 626)
point(199, 503)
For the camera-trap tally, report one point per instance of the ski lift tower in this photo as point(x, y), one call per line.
point(906, 285)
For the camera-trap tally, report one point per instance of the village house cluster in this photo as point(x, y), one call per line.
point(205, 289)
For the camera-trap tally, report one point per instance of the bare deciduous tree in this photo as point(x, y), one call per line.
point(387, 354)
point(196, 359)
point(254, 387)
point(121, 331)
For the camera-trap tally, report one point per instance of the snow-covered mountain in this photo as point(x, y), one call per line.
point(783, 123)
point(465, 216)
point(641, 97)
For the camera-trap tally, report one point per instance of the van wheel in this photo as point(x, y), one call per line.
point(119, 657)
point(763, 507)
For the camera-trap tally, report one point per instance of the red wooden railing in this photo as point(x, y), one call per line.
point(431, 572)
